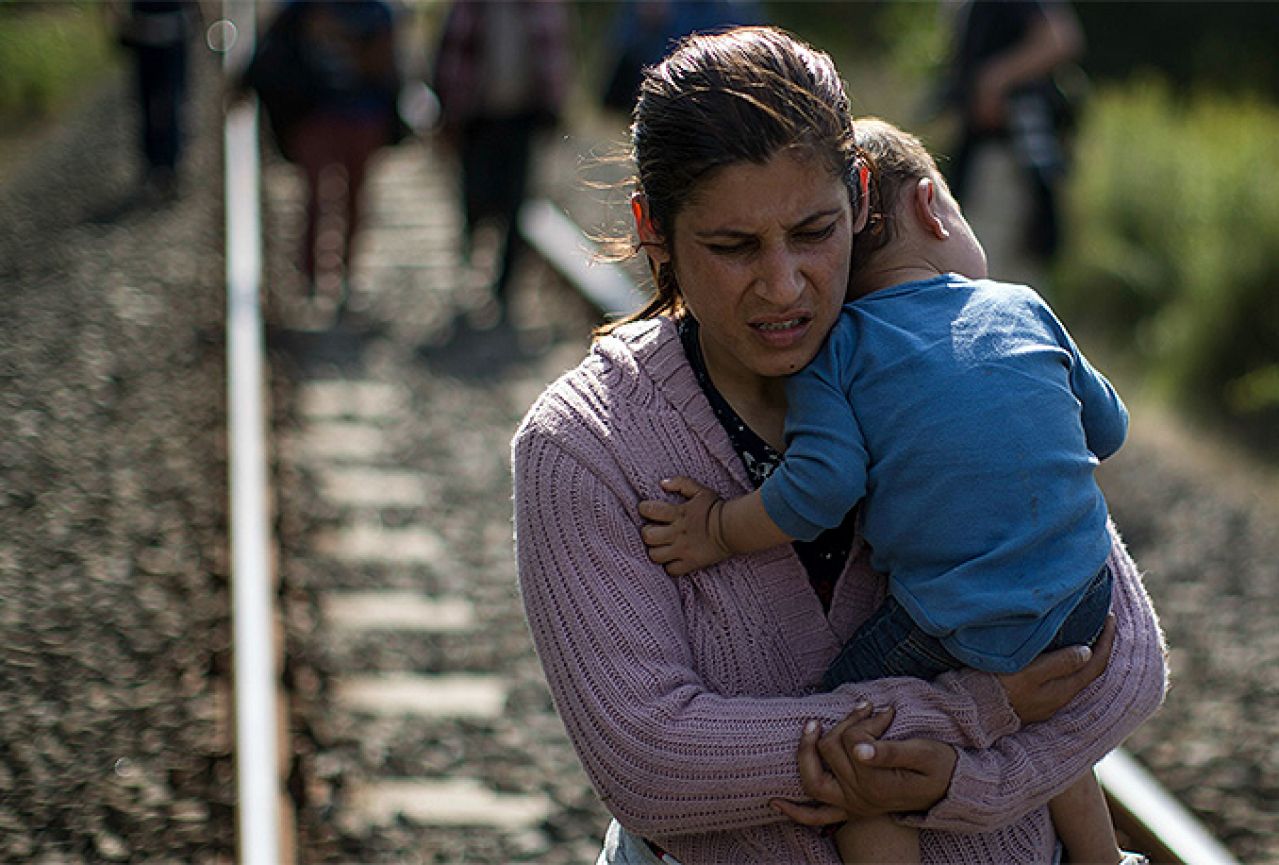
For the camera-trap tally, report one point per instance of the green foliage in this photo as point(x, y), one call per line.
point(1223, 44)
point(47, 53)
point(1174, 243)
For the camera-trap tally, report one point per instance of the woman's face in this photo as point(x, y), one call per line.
point(761, 254)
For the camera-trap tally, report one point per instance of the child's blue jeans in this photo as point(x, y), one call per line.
point(889, 643)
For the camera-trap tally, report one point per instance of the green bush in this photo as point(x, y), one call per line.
point(47, 53)
point(1174, 240)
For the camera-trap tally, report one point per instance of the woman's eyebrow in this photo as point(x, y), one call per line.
point(736, 233)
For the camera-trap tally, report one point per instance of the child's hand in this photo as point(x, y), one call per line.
point(683, 537)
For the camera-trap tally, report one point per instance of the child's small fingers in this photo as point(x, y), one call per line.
point(656, 534)
point(678, 568)
point(655, 510)
point(686, 487)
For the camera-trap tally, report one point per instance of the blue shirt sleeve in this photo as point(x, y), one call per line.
point(823, 471)
point(1104, 415)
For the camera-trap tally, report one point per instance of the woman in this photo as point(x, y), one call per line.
point(686, 699)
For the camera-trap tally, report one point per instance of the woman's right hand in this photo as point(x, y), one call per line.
point(849, 772)
point(1053, 679)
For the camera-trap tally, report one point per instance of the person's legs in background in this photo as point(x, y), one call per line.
point(161, 79)
point(316, 147)
point(514, 170)
point(360, 137)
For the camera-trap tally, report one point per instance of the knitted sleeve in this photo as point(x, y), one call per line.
point(667, 754)
point(994, 786)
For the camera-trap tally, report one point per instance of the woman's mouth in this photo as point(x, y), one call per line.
point(782, 332)
point(780, 325)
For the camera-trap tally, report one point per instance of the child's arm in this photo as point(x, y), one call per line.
point(1103, 413)
point(705, 529)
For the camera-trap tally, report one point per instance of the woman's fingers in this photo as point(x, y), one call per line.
point(860, 723)
point(817, 782)
point(852, 736)
point(907, 774)
point(1101, 650)
point(862, 720)
point(1053, 679)
point(809, 815)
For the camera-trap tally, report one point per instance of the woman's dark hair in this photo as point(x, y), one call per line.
point(742, 95)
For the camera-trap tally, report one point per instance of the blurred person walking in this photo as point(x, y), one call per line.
point(501, 72)
point(1001, 83)
point(643, 31)
point(158, 33)
point(327, 75)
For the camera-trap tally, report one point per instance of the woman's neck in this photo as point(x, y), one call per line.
point(760, 401)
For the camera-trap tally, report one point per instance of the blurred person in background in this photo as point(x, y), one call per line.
point(501, 72)
point(1001, 83)
point(158, 34)
point(327, 75)
point(645, 30)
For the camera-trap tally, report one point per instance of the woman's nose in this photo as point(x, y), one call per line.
point(780, 278)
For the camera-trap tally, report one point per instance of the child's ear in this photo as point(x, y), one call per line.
point(649, 237)
point(927, 202)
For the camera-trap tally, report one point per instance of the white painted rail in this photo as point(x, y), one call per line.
point(569, 251)
point(256, 678)
point(1165, 820)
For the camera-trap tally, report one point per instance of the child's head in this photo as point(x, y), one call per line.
point(909, 199)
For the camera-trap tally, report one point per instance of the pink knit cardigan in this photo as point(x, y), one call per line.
point(685, 697)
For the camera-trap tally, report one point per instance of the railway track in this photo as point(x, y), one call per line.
point(388, 704)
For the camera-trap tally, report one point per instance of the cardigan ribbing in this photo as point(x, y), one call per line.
point(684, 698)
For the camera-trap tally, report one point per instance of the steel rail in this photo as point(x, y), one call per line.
point(253, 583)
point(1144, 810)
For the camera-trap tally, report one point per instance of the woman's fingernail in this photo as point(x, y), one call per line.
point(861, 705)
point(810, 727)
point(864, 751)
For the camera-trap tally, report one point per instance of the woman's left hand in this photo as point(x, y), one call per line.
point(848, 772)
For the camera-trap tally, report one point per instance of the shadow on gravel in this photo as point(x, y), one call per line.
point(469, 352)
point(126, 204)
point(341, 346)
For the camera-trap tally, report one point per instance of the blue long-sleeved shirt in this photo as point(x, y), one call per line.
point(971, 424)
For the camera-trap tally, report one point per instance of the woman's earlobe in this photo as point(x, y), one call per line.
point(650, 238)
point(862, 216)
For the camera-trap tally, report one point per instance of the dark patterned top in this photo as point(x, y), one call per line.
point(823, 557)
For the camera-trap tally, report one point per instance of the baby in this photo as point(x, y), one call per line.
point(961, 415)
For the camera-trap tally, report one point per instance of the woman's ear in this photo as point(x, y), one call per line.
point(649, 237)
point(862, 216)
point(927, 204)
